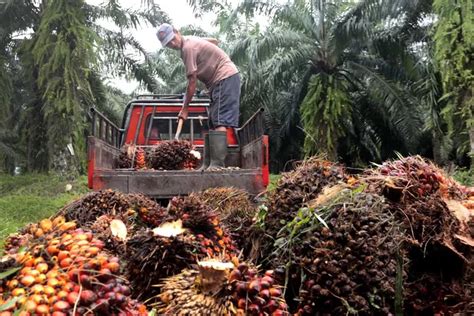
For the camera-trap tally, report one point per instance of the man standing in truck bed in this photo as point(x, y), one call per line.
point(205, 61)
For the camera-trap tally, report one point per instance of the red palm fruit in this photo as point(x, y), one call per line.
point(125, 290)
point(120, 298)
point(242, 303)
point(270, 273)
point(102, 305)
point(85, 280)
point(56, 313)
point(241, 287)
point(72, 298)
point(88, 297)
point(278, 313)
point(274, 292)
point(254, 309)
point(254, 287)
point(268, 279)
point(251, 273)
point(264, 285)
point(73, 275)
point(235, 275)
point(265, 294)
point(272, 306)
point(104, 274)
point(61, 306)
point(243, 267)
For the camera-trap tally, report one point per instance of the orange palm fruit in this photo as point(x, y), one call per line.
point(42, 267)
point(46, 225)
point(58, 221)
point(27, 280)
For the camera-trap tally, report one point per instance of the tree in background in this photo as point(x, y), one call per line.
point(454, 51)
point(56, 66)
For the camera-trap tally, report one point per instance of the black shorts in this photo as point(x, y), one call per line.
point(225, 103)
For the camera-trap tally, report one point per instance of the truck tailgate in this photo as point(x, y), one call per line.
point(166, 184)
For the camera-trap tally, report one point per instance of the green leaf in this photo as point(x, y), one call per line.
point(8, 304)
point(9, 272)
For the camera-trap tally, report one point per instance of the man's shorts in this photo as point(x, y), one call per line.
point(225, 102)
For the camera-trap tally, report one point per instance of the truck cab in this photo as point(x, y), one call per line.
point(151, 119)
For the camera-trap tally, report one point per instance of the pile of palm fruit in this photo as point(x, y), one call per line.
point(167, 155)
point(395, 239)
point(376, 243)
point(226, 288)
point(64, 270)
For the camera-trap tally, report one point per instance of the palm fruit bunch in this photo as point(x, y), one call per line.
point(149, 212)
point(86, 210)
point(140, 158)
point(344, 256)
point(412, 177)
point(125, 157)
point(254, 294)
point(221, 288)
point(103, 229)
point(153, 255)
point(66, 272)
point(235, 211)
point(293, 190)
point(440, 255)
point(131, 156)
point(172, 155)
point(204, 223)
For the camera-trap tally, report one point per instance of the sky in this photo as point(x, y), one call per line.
point(180, 13)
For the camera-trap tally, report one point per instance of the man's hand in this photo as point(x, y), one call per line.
point(183, 113)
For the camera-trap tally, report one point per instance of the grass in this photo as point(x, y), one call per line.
point(273, 181)
point(30, 198)
point(464, 176)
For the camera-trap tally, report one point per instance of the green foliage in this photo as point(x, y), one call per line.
point(323, 110)
point(454, 48)
point(464, 176)
point(63, 51)
point(32, 197)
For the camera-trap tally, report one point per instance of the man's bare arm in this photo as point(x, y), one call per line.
point(190, 90)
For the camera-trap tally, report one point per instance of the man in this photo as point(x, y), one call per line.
point(206, 62)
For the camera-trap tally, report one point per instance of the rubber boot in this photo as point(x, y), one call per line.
point(218, 149)
point(206, 159)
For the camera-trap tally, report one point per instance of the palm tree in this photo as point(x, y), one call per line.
point(67, 50)
point(336, 75)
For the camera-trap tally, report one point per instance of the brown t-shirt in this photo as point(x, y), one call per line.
point(210, 63)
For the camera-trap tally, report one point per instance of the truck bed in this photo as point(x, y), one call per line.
point(166, 184)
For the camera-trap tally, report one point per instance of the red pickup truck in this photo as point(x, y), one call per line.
point(151, 119)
